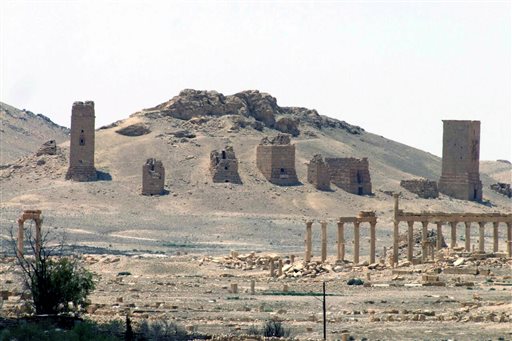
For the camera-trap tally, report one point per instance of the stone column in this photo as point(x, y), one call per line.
point(495, 236)
point(453, 232)
point(253, 285)
point(323, 225)
point(468, 235)
point(424, 241)
point(410, 240)
point(272, 268)
point(395, 228)
point(481, 239)
point(38, 238)
point(279, 267)
point(341, 241)
point(20, 237)
point(509, 239)
point(372, 241)
point(356, 242)
point(395, 242)
point(307, 256)
point(439, 240)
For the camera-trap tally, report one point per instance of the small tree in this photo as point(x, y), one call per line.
point(52, 279)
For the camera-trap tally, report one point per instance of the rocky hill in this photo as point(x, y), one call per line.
point(198, 214)
point(22, 132)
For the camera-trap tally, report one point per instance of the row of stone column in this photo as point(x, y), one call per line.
point(453, 237)
point(340, 241)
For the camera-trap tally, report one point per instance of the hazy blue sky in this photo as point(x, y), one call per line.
point(395, 68)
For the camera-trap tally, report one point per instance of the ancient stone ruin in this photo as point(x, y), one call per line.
point(350, 174)
point(453, 219)
point(224, 166)
point(318, 173)
point(34, 215)
point(460, 177)
point(275, 158)
point(153, 177)
point(81, 151)
point(424, 188)
point(48, 148)
point(362, 217)
point(502, 188)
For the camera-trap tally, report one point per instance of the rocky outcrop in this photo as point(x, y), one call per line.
point(137, 129)
point(502, 188)
point(255, 105)
point(288, 125)
point(260, 105)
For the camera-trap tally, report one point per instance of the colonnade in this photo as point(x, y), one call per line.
point(453, 219)
point(356, 221)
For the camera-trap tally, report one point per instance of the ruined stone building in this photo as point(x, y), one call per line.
point(153, 177)
point(224, 166)
point(81, 150)
point(275, 158)
point(424, 188)
point(460, 176)
point(350, 174)
point(318, 173)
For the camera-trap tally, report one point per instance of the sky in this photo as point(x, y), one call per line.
point(397, 69)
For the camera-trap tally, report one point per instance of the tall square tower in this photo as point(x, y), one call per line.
point(460, 176)
point(81, 150)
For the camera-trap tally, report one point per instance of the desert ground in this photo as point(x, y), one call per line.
point(177, 246)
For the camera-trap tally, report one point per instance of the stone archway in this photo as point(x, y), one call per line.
point(34, 215)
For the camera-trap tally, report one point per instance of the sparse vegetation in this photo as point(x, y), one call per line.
point(57, 284)
point(275, 329)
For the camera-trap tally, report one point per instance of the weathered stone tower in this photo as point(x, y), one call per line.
point(81, 151)
point(318, 173)
point(153, 177)
point(275, 158)
point(460, 176)
point(350, 174)
point(224, 166)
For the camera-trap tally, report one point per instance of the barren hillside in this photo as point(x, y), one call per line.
point(22, 132)
point(197, 214)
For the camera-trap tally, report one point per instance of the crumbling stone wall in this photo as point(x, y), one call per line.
point(153, 177)
point(502, 188)
point(81, 151)
point(460, 176)
point(224, 166)
point(275, 158)
point(424, 188)
point(350, 174)
point(318, 173)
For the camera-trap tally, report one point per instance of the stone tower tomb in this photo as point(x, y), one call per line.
point(350, 174)
point(224, 166)
point(153, 177)
point(81, 150)
point(460, 175)
point(275, 158)
point(318, 173)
